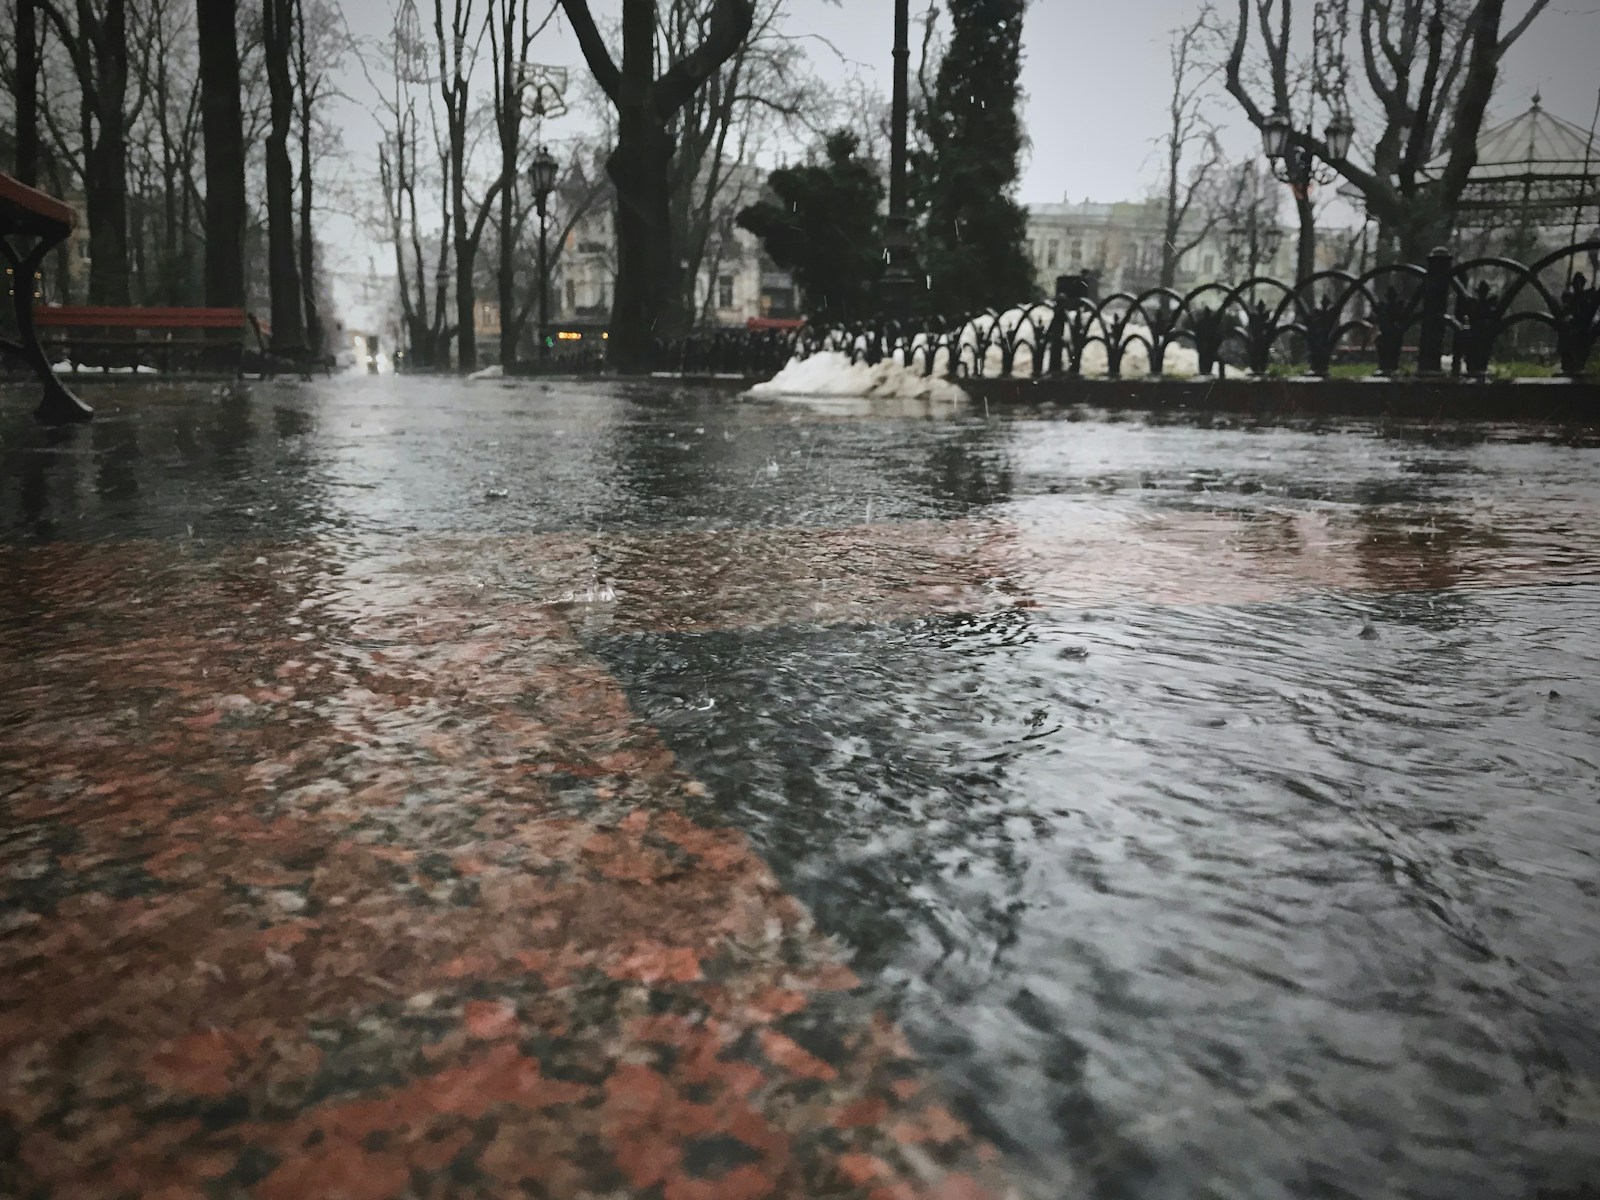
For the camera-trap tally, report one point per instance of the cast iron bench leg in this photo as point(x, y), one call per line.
point(58, 406)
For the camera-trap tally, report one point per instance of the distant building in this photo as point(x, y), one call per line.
point(1122, 242)
point(735, 281)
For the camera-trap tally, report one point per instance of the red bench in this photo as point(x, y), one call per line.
point(106, 338)
point(27, 213)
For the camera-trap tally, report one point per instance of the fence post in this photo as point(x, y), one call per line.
point(1069, 290)
point(1435, 313)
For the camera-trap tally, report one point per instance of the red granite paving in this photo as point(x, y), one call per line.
point(319, 885)
point(331, 875)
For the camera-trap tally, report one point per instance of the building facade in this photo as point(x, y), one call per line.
point(1122, 243)
point(734, 284)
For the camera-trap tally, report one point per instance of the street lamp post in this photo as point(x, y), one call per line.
point(1294, 163)
point(542, 174)
point(1250, 239)
point(899, 276)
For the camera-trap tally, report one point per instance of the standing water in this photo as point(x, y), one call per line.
point(1216, 807)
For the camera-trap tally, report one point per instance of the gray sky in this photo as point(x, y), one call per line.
point(1096, 77)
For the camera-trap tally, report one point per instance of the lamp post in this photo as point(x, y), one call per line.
point(1250, 239)
point(1292, 162)
point(542, 174)
point(899, 276)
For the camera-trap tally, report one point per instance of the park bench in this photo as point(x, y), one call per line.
point(31, 225)
point(108, 338)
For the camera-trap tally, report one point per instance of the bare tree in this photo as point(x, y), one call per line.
point(1187, 179)
point(223, 124)
point(402, 170)
point(164, 152)
point(25, 93)
point(307, 88)
point(512, 31)
point(97, 45)
point(640, 166)
point(1244, 200)
point(763, 88)
point(283, 272)
point(458, 51)
point(1429, 68)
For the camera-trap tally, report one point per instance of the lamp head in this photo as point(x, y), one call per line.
point(542, 174)
point(1340, 132)
point(1275, 135)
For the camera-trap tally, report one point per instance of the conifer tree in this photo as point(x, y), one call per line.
point(972, 230)
point(825, 230)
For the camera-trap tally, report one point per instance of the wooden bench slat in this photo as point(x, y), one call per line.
point(89, 316)
point(19, 196)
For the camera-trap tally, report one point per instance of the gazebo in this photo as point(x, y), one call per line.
point(1534, 171)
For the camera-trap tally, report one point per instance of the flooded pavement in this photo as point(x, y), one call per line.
point(632, 789)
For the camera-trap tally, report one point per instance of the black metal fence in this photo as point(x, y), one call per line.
point(1430, 320)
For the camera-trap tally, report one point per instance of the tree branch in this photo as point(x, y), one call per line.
point(731, 22)
point(601, 65)
point(1521, 27)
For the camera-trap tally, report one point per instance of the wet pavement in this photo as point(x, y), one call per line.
point(418, 789)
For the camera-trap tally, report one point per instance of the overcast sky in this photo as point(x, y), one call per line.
point(1095, 73)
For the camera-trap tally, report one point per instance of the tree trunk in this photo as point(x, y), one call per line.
point(223, 127)
point(466, 253)
point(510, 327)
point(640, 166)
point(308, 251)
point(1426, 228)
point(509, 124)
point(283, 276)
point(1306, 247)
point(646, 274)
point(105, 162)
point(171, 181)
point(26, 92)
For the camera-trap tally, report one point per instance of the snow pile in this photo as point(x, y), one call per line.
point(831, 373)
point(67, 368)
point(495, 371)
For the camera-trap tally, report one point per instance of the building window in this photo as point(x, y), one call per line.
point(1075, 252)
point(1208, 264)
point(572, 294)
point(1052, 253)
point(724, 291)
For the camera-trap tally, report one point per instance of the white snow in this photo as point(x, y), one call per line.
point(67, 368)
point(1029, 325)
point(831, 373)
point(496, 371)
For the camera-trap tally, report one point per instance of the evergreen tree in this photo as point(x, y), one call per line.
point(972, 230)
point(825, 230)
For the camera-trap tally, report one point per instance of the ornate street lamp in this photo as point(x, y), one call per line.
point(542, 175)
point(899, 277)
point(1271, 240)
point(1294, 164)
point(1340, 133)
point(1275, 132)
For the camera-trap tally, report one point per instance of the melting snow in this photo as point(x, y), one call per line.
point(831, 373)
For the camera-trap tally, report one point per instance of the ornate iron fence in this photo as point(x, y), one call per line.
point(1438, 318)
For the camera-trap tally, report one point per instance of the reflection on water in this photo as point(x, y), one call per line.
point(1215, 806)
point(1199, 901)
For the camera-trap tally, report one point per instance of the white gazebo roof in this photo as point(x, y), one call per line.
point(1533, 147)
point(1534, 163)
